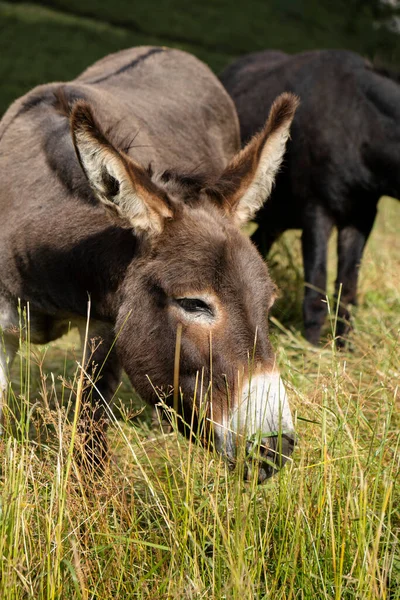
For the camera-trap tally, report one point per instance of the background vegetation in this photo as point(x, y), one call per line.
point(168, 520)
point(51, 40)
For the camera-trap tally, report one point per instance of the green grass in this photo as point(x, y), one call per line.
point(238, 27)
point(53, 40)
point(40, 45)
point(169, 520)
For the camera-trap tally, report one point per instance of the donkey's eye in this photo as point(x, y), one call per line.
point(194, 305)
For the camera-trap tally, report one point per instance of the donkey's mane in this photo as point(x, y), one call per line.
point(186, 185)
point(189, 185)
point(194, 181)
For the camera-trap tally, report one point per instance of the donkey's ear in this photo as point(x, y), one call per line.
point(120, 184)
point(247, 181)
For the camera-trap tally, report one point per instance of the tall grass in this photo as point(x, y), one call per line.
point(169, 520)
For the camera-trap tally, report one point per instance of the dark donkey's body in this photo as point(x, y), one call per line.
point(343, 156)
point(169, 252)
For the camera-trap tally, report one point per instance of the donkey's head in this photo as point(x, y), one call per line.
point(198, 290)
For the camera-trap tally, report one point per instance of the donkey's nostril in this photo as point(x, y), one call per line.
point(278, 447)
point(270, 454)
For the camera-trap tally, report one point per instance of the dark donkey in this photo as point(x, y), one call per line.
point(342, 157)
point(100, 197)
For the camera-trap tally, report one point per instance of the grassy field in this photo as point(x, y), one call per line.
point(168, 519)
point(53, 40)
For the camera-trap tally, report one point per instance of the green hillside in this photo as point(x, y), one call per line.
point(55, 40)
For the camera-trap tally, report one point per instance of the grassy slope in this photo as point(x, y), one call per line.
point(238, 27)
point(39, 44)
point(168, 520)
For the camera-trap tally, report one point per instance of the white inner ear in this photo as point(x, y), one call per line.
point(268, 166)
point(95, 161)
point(128, 203)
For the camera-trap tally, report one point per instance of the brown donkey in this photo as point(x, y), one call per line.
point(125, 185)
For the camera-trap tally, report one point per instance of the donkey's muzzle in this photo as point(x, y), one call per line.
point(261, 459)
point(258, 431)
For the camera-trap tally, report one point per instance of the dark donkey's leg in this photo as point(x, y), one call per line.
point(103, 368)
point(351, 244)
point(317, 228)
